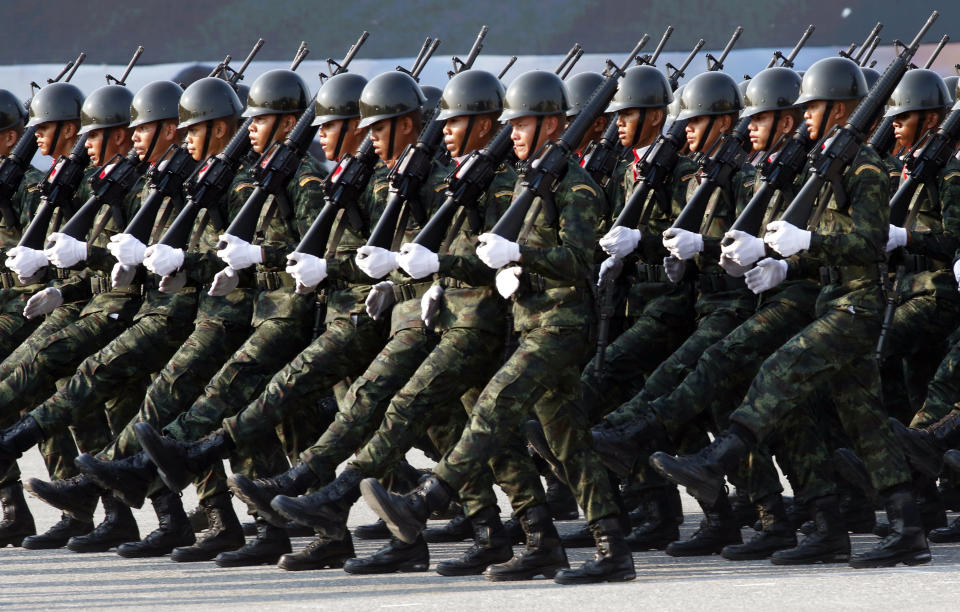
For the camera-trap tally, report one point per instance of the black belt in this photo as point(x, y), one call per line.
point(649, 273)
point(841, 275)
point(409, 291)
point(271, 281)
point(717, 282)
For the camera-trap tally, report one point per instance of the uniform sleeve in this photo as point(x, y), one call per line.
point(306, 195)
point(571, 260)
point(941, 244)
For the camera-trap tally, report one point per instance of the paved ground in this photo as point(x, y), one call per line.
point(60, 579)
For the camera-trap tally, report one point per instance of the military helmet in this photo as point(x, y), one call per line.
point(742, 86)
point(710, 93)
point(918, 90)
point(13, 114)
point(206, 99)
point(339, 98)
point(278, 91)
point(106, 107)
point(953, 87)
point(641, 87)
point(56, 102)
point(471, 92)
point(156, 101)
point(389, 95)
point(536, 93)
point(872, 76)
point(833, 78)
point(579, 89)
point(771, 90)
point(673, 109)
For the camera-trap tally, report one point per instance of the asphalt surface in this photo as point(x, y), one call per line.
point(61, 579)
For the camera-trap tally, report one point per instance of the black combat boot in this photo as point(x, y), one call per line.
point(514, 530)
point(395, 556)
point(406, 515)
point(179, 462)
point(59, 534)
point(456, 529)
point(828, 543)
point(225, 532)
point(326, 510)
point(377, 530)
point(924, 448)
point(258, 493)
point(173, 529)
point(490, 545)
point(543, 554)
point(612, 562)
point(17, 521)
point(321, 553)
point(581, 537)
point(266, 549)
point(948, 487)
point(16, 439)
point(664, 513)
point(906, 543)
point(76, 496)
point(198, 519)
point(702, 474)
point(129, 478)
point(776, 533)
point(718, 528)
point(560, 500)
point(745, 512)
point(118, 527)
point(951, 459)
point(620, 447)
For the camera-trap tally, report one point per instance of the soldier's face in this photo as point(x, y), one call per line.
point(260, 131)
point(143, 135)
point(330, 136)
point(905, 127)
point(455, 135)
point(93, 145)
point(697, 137)
point(761, 125)
point(44, 137)
point(813, 114)
point(628, 122)
point(195, 137)
point(524, 131)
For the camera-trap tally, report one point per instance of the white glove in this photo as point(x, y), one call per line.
point(745, 249)
point(418, 261)
point(43, 302)
point(376, 262)
point(508, 281)
point(674, 268)
point(732, 268)
point(66, 250)
point(308, 270)
point(162, 260)
point(620, 241)
point(496, 251)
point(26, 262)
point(173, 283)
point(127, 249)
point(956, 271)
point(681, 243)
point(380, 299)
point(239, 254)
point(430, 304)
point(122, 275)
point(224, 282)
point(786, 239)
point(767, 274)
point(610, 270)
point(897, 237)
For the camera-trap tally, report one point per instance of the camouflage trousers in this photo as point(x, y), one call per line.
point(14, 327)
point(539, 378)
point(835, 353)
point(944, 390)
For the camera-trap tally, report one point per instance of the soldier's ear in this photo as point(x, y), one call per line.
point(655, 116)
point(288, 121)
point(69, 129)
point(9, 138)
point(788, 123)
point(405, 125)
point(551, 126)
point(484, 126)
point(724, 123)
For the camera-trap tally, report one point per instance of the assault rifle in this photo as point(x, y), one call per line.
point(787, 61)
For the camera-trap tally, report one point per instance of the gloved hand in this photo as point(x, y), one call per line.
point(239, 254)
point(620, 241)
point(786, 239)
point(674, 268)
point(430, 304)
point(26, 262)
point(173, 283)
point(897, 237)
point(308, 270)
point(66, 250)
point(508, 281)
point(162, 260)
point(730, 267)
point(122, 275)
point(496, 251)
point(681, 243)
point(610, 270)
point(224, 282)
point(43, 302)
point(376, 262)
point(745, 249)
point(127, 249)
point(380, 299)
point(767, 274)
point(418, 261)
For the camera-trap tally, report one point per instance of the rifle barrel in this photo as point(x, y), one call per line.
point(660, 45)
point(936, 52)
point(76, 64)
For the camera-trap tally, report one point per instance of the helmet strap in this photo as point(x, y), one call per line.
point(466, 135)
point(823, 120)
point(536, 134)
point(706, 133)
point(393, 137)
point(207, 135)
point(344, 126)
point(273, 131)
point(103, 145)
point(56, 138)
point(639, 131)
point(153, 142)
point(767, 146)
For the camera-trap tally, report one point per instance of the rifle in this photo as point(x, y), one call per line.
point(874, 33)
point(651, 59)
point(573, 61)
point(674, 74)
point(787, 62)
point(235, 76)
point(57, 189)
point(829, 164)
point(716, 63)
point(870, 50)
point(506, 68)
point(936, 52)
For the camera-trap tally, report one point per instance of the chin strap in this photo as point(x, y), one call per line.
point(536, 135)
point(103, 145)
point(207, 135)
point(392, 141)
point(466, 136)
point(153, 142)
point(823, 120)
point(639, 131)
point(344, 126)
point(767, 146)
point(706, 134)
point(56, 138)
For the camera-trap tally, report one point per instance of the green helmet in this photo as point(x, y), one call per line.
point(339, 98)
point(277, 92)
point(156, 101)
point(953, 86)
point(872, 76)
point(673, 109)
point(389, 95)
point(536, 93)
point(710, 93)
point(919, 89)
point(641, 87)
point(56, 102)
point(471, 92)
point(579, 89)
point(106, 107)
point(13, 114)
point(833, 78)
point(772, 89)
point(206, 99)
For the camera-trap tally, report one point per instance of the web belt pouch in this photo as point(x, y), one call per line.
point(717, 282)
point(841, 275)
point(271, 281)
point(8, 280)
point(409, 291)
point(60, 273)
